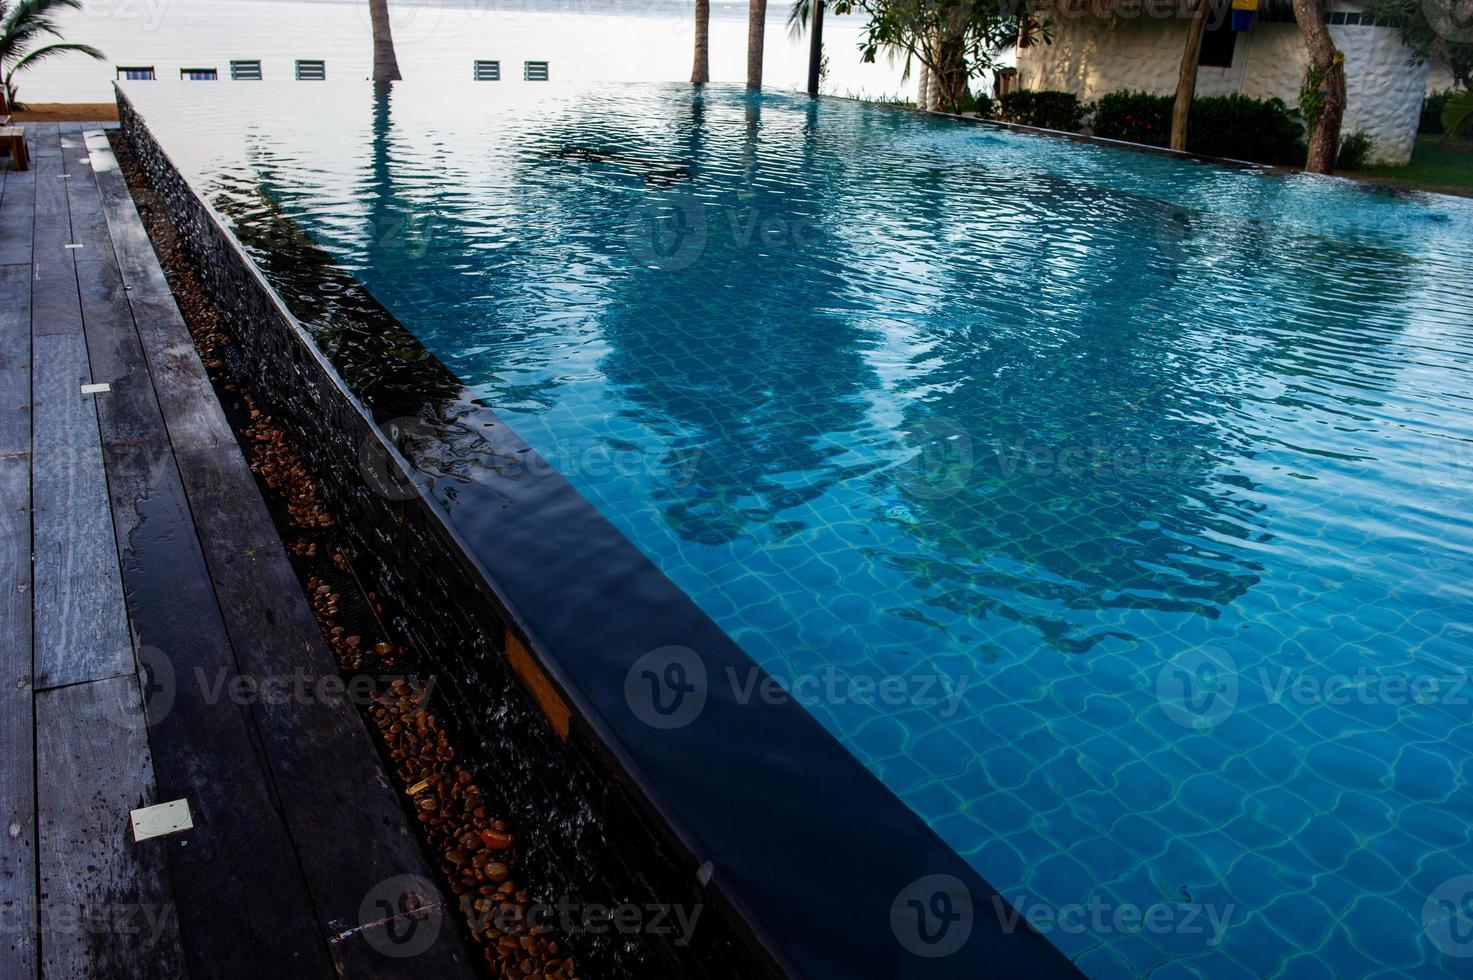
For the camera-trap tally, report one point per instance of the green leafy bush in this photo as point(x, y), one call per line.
point(979, 102)
point(1457, 115)
point(1355, 150)
point(1260, 130)
point(1431, 121)
point(1137, 117)
point(1045, 109)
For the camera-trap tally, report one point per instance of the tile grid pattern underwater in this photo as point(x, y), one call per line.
point(1113, 510)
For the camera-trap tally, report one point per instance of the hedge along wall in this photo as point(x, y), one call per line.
point(1092, 56)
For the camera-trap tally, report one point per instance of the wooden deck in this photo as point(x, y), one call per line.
point(131, 533)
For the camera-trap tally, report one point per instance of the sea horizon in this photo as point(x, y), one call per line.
point(438, 40)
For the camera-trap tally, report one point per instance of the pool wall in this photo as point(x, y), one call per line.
point(534, 610)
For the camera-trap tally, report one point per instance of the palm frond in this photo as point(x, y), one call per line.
point(31, 9)
point(15, 38)
point(28, 20)
point(51, 50)
point(799, 17)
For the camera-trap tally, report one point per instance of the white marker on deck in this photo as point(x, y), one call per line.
point(96, 389)
point(74, 245)
point(160, 819)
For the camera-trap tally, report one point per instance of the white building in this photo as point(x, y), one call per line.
point(1100, 46)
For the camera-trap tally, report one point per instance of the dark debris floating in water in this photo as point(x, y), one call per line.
point(652, 170)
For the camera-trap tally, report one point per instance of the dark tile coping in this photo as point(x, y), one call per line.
point(1371, 186)
point(1127, 145)
point(1073, 137)
point(827, 868)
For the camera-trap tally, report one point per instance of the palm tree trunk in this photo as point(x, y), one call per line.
point(1329, 65)
point(815, 48)
point(1186, 82)
point(756, 24)
point(923, 87)
point(700, 73)
point(385, 64)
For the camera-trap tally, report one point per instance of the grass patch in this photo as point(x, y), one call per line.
point(1438, 164)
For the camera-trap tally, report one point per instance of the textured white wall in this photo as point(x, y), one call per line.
point(1091, 56)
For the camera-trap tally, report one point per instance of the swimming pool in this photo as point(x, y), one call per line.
point(1113, 510)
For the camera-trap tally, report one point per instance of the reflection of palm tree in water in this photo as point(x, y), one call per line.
point(1101, 467)
point(1090, 469)
point(746, 375)
point(355, 332)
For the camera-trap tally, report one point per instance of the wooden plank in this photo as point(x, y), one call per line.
point(17, 746)
point(333, 787)
point(130, 411)
point(244, 907)
point(330, 782)
point(236, 874)
point(88, 226)
point(81, 630)
point(15, 359)
point(55, 306)
point(17, 723)
point(45, 139)
point(106, 905)
point(17, 217)
point(195, 419)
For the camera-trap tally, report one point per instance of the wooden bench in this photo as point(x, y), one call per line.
point(13, 139)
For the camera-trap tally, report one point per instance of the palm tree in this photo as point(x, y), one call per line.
point(815, 48)
point(21, 26)
point(756, 24)
point(385, 63)
point(700, 73)
point(808, 15)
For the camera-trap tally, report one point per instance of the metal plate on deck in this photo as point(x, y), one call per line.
point(160, 819)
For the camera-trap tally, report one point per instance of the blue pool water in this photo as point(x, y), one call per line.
point(1147, 485)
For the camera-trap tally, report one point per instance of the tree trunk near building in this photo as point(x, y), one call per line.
point(1324, 86)
point(756, 25)
point(700, 73)
point(1186, 82)
point(385, 64)
point(949, 74)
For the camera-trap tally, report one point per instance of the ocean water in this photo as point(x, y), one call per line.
point(438, 40)
point(1137, 494)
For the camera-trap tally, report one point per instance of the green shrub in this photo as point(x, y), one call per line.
point(1355, 150)
point(980, 103)
point(1045, 109)
point(1260, 130)
point(1137, 117)
point(1431, 121)
point(1457, 115)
